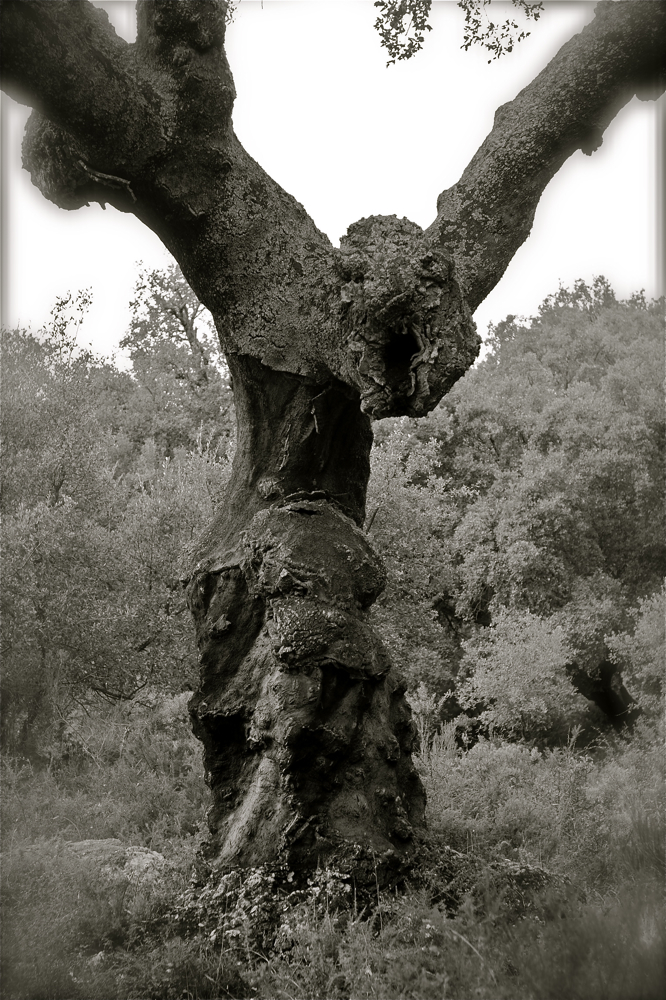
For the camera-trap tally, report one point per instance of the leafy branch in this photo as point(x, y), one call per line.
point(497, 38)
point(402, 25)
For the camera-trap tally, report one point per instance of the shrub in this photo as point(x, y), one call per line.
point(596, 819)
point(133, 772)
point(641, 654)
point(516, 671)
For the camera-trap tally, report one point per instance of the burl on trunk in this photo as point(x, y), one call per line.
point(306, 731)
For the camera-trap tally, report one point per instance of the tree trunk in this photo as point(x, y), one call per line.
point(306, 731)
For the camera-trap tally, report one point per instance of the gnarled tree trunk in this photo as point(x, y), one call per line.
point(305, 728)
point(306, 731)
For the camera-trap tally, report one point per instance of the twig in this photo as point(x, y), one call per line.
point(109, 180)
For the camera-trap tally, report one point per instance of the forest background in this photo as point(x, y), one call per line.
point(521, 523)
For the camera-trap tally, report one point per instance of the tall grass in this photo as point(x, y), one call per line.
point(541, 878)
point(132, 772)
point(597, 817)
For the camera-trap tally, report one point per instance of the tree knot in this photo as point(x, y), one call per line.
point(408, 329)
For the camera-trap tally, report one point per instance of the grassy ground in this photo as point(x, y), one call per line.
point(541, 878)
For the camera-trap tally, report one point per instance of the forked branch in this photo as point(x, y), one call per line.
point(147, 127)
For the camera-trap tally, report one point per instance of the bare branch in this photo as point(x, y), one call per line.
point(488, 214)
point(107, 179)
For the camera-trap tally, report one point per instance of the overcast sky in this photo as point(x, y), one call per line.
point(349, 137)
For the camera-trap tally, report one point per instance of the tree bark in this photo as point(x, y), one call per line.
point(306, 732)
point(488, 214)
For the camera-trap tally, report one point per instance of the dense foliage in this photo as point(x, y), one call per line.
point(522, 527)
point(107, 477)
point(523, 520)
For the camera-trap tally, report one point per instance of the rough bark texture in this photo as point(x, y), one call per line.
point(306, 732)
point(305, 728)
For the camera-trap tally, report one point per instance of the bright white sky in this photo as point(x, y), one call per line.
point(347, 136)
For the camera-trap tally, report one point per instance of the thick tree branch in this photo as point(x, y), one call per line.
point(64, 59)
point(384, 314)
point(390, 313)
point(488, 214)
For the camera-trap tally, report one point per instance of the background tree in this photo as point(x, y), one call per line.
point(58, 402)
point(182, 382)
point(412, 513)
point(572, 473)
point(640, 653)
point(306, 733)
point(94, 531)
point(516, 672)
point(532, 490)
